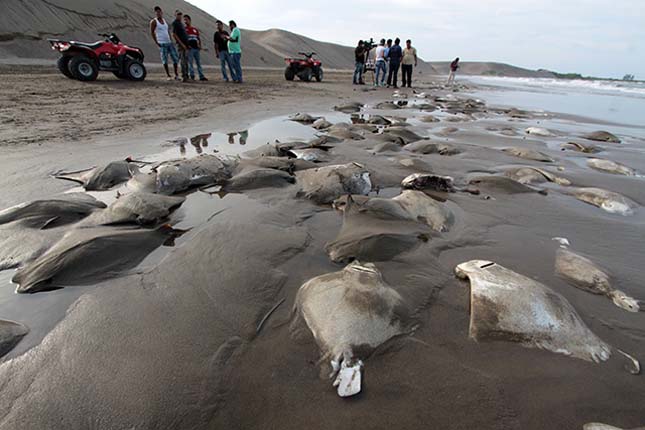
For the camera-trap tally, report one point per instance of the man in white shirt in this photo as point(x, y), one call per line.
point(381, 64)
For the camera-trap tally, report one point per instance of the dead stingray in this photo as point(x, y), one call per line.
point(285, 164)
point(602, 136)
point(314, 155)
point(378, 120)
point(609, 166)
point(538, 131)
point(600, 426)
point(321, 124)
point(258, 178)
point(52, 212)
point(534, 175)
point(426, 181)
point(425, 147)
point(368, 235)
point(345, 134)
point(410, 205)
point(268, 150)
point(429, 119)
point(135, 208)
point(176, 176)
point(20, 243)
point(505, 305)
point(324, 184)
point(608, 201)
point(304, 118)
point(10, 334)
point(351, 107)
point(528, 154)
point(503, 184)
point(581, 147)
point(404, 133)
point(351, 313)
point(387, 105)
point(89, 255)
point(103, 177)
point(582, 273)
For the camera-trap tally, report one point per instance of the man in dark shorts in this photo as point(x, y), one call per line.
point(181, 39)
point(395, 55)
point(220, 39)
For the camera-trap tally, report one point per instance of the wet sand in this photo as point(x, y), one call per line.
point(175, 343)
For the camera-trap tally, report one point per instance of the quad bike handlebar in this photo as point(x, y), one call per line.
point(307, 54)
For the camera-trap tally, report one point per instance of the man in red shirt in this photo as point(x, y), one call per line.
point(194, 48)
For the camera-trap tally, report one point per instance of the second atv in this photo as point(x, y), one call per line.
point(83, 61)
point(305, 69)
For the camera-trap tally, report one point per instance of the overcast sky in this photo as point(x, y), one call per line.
point(592, 37)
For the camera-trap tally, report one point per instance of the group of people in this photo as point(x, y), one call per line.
point(389, 58)
point(182, 42)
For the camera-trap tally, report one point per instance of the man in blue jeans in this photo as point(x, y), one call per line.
point(395, 54)
point(381, 65)
point(221, 49)
point(235, 52)
point(359, 55)
point(194, 46)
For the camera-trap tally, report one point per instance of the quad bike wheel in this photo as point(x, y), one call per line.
point(83, 68)
point(319, 75)
point(135, 70)
point(289, 73)
point(63, 66)
point(306, 75)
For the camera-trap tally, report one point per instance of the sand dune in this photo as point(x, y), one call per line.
point(25, 26)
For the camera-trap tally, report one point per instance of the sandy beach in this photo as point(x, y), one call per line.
point(205, 332)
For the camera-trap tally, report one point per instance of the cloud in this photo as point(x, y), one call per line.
point(592, 37)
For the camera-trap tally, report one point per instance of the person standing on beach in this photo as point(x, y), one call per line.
point(161, 35)
point(453, 71)
point(359, 57)
point(194, 45)
point(381, 65)
point(395, 55)
point(235, 52)
point(408, 63)
point(181, 39)
point(221, 49)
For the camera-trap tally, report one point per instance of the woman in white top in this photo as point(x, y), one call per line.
point(160, 32)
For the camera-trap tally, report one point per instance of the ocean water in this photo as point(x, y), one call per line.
point(611, 101)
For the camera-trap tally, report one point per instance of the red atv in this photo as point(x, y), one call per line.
point(304, 68)
point(83, 61)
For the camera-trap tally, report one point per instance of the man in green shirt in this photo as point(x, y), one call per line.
point(235, 52)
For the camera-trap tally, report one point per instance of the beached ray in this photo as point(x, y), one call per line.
point(502, 184)
point(609, 166)
point(87, 255)
point(321, 124)
point(528, 154)
point(602, 136)
point(314, 155)
point(608, 201)
point(538, 131)
point(258, 178)
point(20, 243)
point(285, 164)
point(582, 273)
point(10, 334)
point(325, 184)
point(427, 181)
point(429, 119)
point(344, 133)
point(351, 107)
point(534, 175)
point(404, 133)
point(410, 205)
point(425, 147)
point(386, 147)
point(387, 105)
point(135, 208)
point(378, 120)
point(176, 176)
point(600, 426)
point(102, 177)
point(581, 147)
point(304, 118)
point(505, 305)
point(376, 234)
point(52, 212)
point(350, 313)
